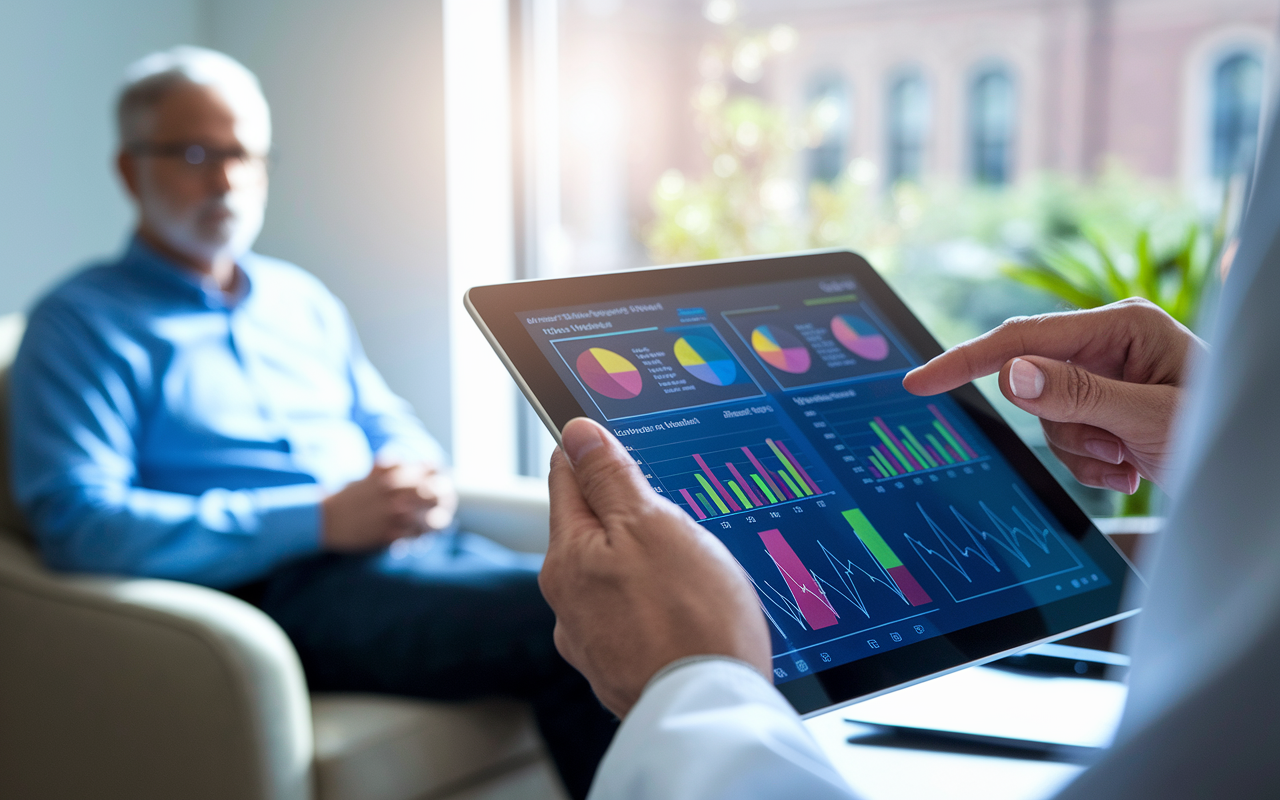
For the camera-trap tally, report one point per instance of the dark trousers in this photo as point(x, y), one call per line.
point(447, 617)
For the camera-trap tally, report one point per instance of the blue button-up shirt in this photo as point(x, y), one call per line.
point(162, 428)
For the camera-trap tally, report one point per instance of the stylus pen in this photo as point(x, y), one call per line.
point(1054, 751)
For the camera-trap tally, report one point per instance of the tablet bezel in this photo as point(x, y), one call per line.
point(495, 309)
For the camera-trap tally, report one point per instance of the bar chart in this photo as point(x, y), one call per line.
point(730, 473)
point(912, 440)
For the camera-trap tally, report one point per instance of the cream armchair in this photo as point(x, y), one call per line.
point(140, 689)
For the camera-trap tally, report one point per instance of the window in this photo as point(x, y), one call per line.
point(908, 127)
point(1237, 109)
point(829, 126)
point(992, 120)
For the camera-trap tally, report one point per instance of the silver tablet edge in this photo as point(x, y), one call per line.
point(511, 367)
point(976, 663)
point(546, 420)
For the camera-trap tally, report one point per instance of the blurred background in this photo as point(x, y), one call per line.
point(991, 157)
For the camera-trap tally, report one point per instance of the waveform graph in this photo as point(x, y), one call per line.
point(818, 585)
point(994, 547)
point(808, 597)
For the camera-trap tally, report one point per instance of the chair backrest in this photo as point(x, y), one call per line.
point(12, 526)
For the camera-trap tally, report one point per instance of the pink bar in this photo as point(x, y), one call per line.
point(799, 468)
point(890, 460)
point(688, 497)
point(782, 488)
point(898, 444)
point(934, 455)
point(871, 467)
point(746, 487)
point(764, 473)
point(729, 501)
point(952, 431)
point(813, 604)
point(913, 591)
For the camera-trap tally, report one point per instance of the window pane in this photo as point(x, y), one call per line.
point(1237, 106)
point(908, 128)
point(993, 122)
point(954, 143)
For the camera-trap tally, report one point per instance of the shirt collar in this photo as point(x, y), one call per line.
point(141, 257)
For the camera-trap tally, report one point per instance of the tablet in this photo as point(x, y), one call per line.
point(890, 538)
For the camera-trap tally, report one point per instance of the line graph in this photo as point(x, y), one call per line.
point(808, 597)
point(983, 560)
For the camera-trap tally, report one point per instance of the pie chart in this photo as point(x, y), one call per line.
point(609, 374)
point(780, 349)
point(706, 360)
point(860, 337)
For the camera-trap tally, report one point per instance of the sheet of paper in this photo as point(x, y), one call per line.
point(992, 702)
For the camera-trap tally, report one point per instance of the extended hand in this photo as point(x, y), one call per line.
point(392, 502)
point(1106, 384)
point(634, 582)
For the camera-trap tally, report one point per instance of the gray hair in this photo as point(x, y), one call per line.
point(151, 78)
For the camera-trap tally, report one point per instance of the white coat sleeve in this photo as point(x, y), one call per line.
point(708, 729)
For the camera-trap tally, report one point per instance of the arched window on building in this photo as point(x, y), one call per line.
point(829, 124)
point(992, 121)
point(1237, 111)
point(908, 119)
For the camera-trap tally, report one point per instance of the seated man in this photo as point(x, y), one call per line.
point(195, 411)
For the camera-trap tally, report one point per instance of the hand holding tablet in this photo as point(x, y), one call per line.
point(887, 537)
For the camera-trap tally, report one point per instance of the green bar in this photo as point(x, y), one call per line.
point(710, 510)
point(764, 487)
point(806, 491)
point(742, 498)
point(928, 459)
point(942, 451)
point(791, 485)
point(891, 447)
point(920, 454)
point(892, 470)
point(872, 538)
point(883, 465)
point(950, 440)
point(839, 298)
point(706, 487)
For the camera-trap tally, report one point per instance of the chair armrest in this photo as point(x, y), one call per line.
point(513, 512)
point(159, 689)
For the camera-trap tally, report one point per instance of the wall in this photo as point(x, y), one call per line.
point(358, 194)
point(60, 65)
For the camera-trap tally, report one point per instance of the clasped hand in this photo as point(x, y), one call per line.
point(394, 501)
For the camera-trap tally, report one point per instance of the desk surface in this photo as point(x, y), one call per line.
point(989, 701)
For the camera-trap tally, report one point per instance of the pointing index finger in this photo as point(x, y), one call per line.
point(1056, 336)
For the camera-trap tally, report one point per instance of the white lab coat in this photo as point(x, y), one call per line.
point(1203, 715)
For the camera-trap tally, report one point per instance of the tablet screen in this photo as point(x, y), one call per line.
point(868, 519)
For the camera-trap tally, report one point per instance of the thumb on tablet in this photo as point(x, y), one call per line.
point(607, 475)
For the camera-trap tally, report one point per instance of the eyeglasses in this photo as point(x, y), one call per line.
point(197, 155)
